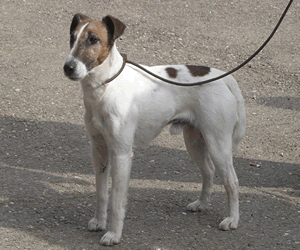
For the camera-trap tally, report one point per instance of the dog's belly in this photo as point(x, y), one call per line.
point(145, 135)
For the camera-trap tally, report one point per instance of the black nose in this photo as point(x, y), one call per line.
point(69, 68)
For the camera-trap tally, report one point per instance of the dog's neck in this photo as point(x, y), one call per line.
point(98, 75)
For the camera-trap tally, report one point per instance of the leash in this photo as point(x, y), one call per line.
point(209, 80)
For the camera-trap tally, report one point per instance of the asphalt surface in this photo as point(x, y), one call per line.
point(47, 191)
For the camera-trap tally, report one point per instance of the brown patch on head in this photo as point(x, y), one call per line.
point(92, 46)
point(115, 28)
point(172, 72)
point(78, 18)
point(198, 70)
point(95, 40)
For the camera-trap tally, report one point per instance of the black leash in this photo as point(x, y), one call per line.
point(226, 74)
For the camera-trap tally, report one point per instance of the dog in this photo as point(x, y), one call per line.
point(132, 109)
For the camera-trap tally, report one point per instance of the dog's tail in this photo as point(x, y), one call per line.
point(240, 126)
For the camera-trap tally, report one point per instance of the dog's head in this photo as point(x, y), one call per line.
point(90, 43)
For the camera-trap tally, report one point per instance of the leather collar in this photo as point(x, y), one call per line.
point(119, 72)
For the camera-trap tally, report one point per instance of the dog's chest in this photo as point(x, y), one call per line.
point(115, 114)
point(95, 107)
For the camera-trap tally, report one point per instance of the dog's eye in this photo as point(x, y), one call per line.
point(93, 39)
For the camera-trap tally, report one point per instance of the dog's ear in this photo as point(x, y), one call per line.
point(78, 18)
point(115, 28)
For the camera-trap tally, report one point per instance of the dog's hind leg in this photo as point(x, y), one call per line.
point(100, 155)
point(220, 149)
point(198, 151)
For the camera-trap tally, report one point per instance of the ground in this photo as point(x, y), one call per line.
point(47, 193)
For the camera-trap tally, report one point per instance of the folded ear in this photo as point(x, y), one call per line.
point(78, 18)
point(115, 28)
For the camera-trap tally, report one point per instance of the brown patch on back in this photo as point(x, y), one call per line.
point(172, 72)
point(198, 70)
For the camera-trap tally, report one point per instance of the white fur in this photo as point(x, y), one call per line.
point(133, 109)
point(81, 69)
point(77, 39)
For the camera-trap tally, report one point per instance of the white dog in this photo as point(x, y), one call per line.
point(131, 109)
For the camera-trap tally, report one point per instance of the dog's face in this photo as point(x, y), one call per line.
point(90, 43)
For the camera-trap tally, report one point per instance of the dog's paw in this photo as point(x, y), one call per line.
point(95, 225)
point(229, 223)
point(110, 239)
point(197, 205)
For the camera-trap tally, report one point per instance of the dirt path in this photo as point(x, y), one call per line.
point(46, 177)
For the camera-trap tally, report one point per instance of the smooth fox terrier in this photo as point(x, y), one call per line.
point(132, 110)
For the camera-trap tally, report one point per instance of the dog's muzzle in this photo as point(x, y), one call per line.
point(75, 69)
point(69, 69)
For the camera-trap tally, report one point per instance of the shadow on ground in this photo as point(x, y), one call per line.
point(284, 102)
point(47, 191)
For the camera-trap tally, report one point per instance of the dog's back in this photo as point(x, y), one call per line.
point(183, 73)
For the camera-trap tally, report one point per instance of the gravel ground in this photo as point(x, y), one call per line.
point(47, 192)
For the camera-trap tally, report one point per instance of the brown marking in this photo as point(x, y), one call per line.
point(115, 28)
point(92, 45)
point(172, 72)
point(95, 41)
point(76, 20)
point(198, 70)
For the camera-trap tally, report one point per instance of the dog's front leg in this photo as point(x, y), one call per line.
point(121, 168)
point(100, 160)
